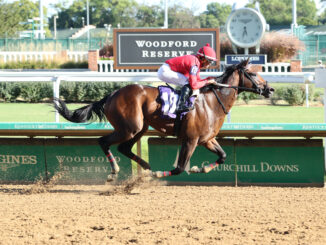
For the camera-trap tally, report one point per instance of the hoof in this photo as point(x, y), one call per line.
point(207, 169)
point(147, 173)
point(195, 169)
point(112, 177)
point(115, 168)
point(158, 174)
point(161, 174)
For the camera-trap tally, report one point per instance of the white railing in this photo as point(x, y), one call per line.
point(277, 67)
point(108, 66)
point(77, 56)
point(87, 76)
point(11, 56)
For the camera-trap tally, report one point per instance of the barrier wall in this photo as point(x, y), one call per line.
point(281, 162)
point(298, 161)
point(79, 161)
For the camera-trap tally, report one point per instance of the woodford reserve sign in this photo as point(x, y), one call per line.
point(150, 48)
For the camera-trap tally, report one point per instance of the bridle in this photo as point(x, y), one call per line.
point(241, 88)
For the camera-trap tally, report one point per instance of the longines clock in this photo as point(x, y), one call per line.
point(245, 27)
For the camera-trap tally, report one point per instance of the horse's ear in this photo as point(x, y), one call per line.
point(244, 63)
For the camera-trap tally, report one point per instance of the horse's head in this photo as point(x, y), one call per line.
point(252, 81)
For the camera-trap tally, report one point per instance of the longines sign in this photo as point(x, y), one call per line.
point(150, 48)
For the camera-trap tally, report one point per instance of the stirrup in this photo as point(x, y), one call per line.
point(184, 109)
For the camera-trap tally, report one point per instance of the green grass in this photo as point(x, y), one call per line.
point(28, 112)
point(277, 114)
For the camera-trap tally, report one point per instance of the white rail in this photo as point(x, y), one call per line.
point(77, 56)
point(87, 76)
point(107, 66)
point(11, 56)
point(277, 67)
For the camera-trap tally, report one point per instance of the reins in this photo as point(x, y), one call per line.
point(242, 74)
point(220, 101)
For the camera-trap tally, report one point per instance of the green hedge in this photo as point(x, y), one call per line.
point(69, 91)
point(295, 94)
point(94, 91)
point(43, 65)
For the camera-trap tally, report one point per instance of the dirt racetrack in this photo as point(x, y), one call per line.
point(152, 213)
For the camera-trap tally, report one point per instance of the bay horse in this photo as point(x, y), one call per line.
point(133, 108)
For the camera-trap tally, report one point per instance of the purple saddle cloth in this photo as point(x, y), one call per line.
point(169, 99)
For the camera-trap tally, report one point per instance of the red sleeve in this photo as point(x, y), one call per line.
point(194, 78)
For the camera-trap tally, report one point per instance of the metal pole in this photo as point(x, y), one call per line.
point(294, 15)
point(166, 24)
point(55, 26)
point(41, 21)
point(87, 7)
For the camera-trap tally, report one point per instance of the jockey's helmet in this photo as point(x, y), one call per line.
point(207, 52)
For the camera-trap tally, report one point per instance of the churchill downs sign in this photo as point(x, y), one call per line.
point(150, 48)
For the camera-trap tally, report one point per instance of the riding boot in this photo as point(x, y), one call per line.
point(185, 93)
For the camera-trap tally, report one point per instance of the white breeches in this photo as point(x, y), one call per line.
point(167, 75)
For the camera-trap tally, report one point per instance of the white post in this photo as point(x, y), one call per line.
point(228, 117)
point(324, 107)
point(166, 24)
point(307, 95)
point(294, 15)
point(246, 51)
point(87, 9)
point(56, 94)
point(55, 25)
point(41, 21)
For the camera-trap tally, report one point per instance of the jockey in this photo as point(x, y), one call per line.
point(184, 70)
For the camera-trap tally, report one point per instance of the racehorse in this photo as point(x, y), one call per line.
point(133, 108)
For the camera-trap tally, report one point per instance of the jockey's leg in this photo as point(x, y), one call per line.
point(184, 96)
point(167, 75)
point(125, 148)
point(214, 147)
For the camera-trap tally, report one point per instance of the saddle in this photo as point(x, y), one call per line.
point(169, 98)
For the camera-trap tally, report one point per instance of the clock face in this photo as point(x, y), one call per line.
point(245, 27)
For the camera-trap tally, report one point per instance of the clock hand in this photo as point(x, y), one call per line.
point(244, 32)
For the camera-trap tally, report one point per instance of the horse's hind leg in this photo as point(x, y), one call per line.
point(214, 147)
point(125, 148)
point(105, 143)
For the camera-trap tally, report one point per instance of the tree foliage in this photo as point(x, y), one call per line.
point(12, 15)
point(279, 12)
point(215, 15)
point(114, 12)
point(129, 14)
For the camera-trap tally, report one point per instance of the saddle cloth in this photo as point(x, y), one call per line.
point(169, 98)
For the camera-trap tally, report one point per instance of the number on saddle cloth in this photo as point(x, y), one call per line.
point(169, 98)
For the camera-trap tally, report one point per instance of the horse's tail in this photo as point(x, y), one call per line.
point(84, 114)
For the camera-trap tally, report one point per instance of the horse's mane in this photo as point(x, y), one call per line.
point(224, 77)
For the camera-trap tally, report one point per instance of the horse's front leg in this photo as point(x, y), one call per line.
point(187, 149)
point(214, 147)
